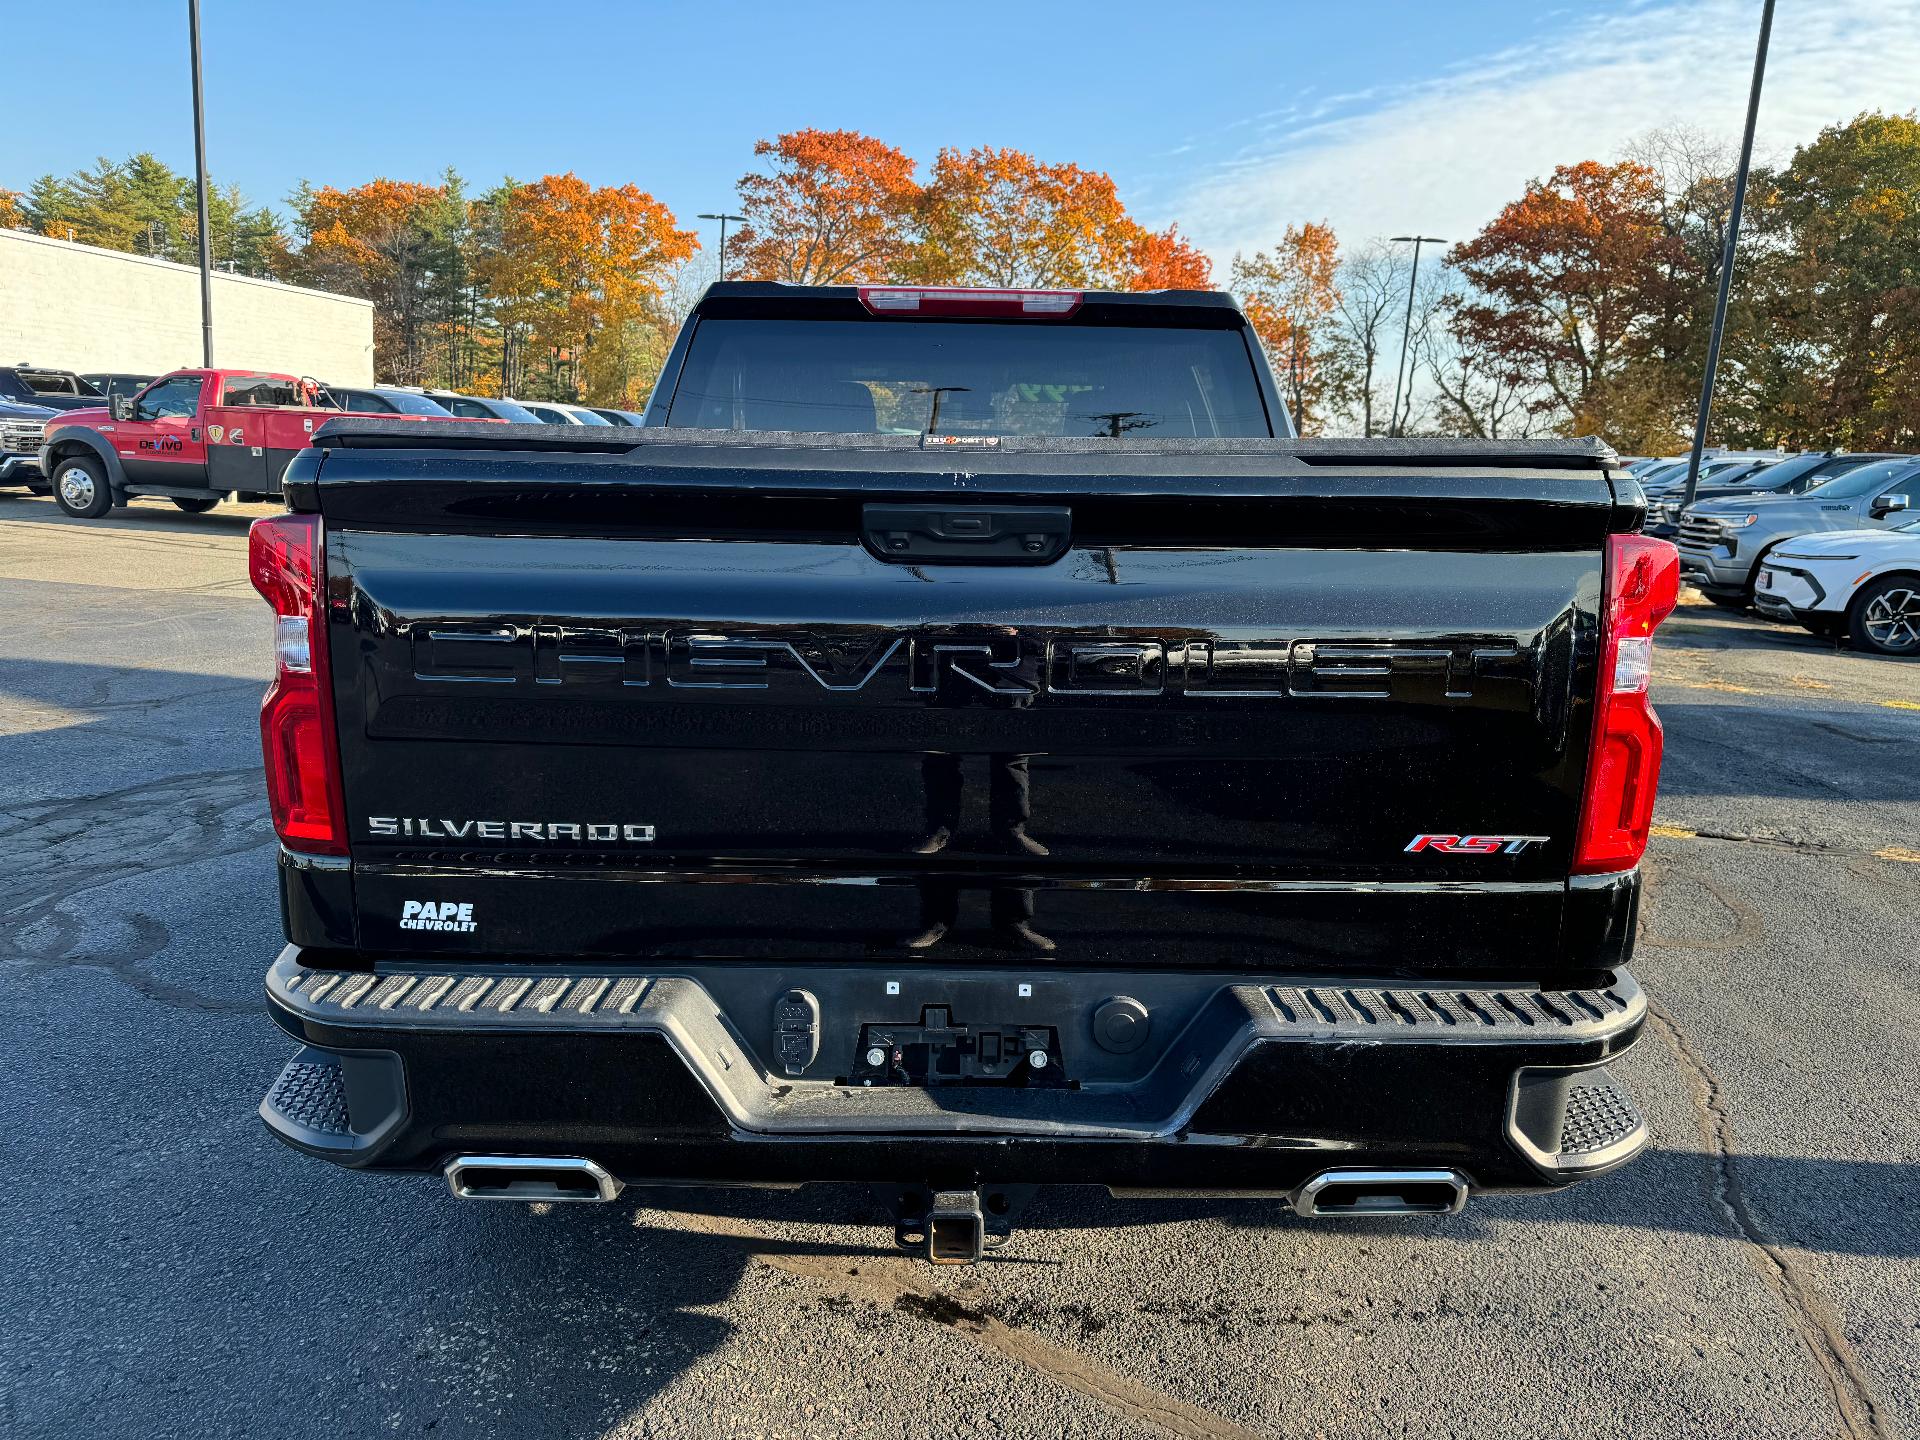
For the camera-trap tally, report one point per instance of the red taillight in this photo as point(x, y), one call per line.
point(961, 300)
point(1642, 582)
point(284, 561)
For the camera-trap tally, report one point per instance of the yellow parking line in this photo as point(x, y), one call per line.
point(1899, 704)
point(1674, 832)
point(1899, 852)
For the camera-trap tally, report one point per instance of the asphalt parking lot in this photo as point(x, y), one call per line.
point(174, 1271)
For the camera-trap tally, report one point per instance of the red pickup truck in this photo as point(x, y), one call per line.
point(194, 436)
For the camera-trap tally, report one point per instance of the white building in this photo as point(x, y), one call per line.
point(76, 307)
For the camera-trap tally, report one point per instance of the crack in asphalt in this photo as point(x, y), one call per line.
point(1748, 927)
point(889, 1284)
point(1861, 1414)
point(1844, 733)
point(59, 850)
point(1787, 842)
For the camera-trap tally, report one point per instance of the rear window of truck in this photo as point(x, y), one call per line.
point(920, 377)
point(259, 390)
point(53, 382)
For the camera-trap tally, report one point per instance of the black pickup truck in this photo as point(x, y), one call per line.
point(962, 742)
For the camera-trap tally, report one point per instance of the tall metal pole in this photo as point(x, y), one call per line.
point(1406, 330)
point(1726, 259)
point(200, 178)
point(723, 219)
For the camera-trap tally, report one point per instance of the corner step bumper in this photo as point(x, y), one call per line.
point(403, 1065)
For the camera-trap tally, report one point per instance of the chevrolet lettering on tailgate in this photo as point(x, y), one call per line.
point(787, 664)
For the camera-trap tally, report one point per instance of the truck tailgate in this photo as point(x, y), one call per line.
point(680, 699)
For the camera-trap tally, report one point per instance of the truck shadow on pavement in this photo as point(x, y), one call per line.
point(570, 1320)
point(1850, 1207)
point(1746, 751)
point(148, 516)
point(595, 1311)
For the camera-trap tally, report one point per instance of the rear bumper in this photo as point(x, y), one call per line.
point(1713, 569)
point(1787, 592)
point(1241, 1085)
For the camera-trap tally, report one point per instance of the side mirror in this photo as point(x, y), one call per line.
point(1888, 504)
point(123, 407)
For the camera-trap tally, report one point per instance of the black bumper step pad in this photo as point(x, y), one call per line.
point(1575, 1122)
point(312, 1095)
point(336, 1103)
point(1600, 1115)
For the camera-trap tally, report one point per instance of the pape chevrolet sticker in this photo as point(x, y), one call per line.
point(453, 915)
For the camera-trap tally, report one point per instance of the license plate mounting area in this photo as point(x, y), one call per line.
point(942, 1051)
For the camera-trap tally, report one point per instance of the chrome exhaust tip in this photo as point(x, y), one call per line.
point(547, 1178)
point(1382, 1192)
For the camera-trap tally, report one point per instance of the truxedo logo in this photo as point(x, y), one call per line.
point(438, 915)
point(786, 662)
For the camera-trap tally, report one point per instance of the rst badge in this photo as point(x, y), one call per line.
point(1474, 844)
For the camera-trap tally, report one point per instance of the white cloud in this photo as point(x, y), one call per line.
point(1443, 156)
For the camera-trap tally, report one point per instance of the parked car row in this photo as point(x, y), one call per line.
point(409, 400)
point(1739, 474)
point(1827, 540)
point(33, 397)
point(194, 437)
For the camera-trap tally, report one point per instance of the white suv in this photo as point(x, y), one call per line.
point(1864, 584)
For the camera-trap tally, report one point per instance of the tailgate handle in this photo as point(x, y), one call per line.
point(973, 534)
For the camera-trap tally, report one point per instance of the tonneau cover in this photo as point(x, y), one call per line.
point(1585, 453)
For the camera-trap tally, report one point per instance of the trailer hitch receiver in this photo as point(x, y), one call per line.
point(956, 1231)
point(955, 1224)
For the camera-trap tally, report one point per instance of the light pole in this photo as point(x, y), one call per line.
point(1406, 331)
point(200, 185)
point(723, 219)
point(1726, 260)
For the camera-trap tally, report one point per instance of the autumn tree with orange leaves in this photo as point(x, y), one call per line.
point(399, 244)
point(1164, 260)
point(1290, 294)
point(577, 272)
point(1569, 281)
point(1001, 217)
point(834, 207)
point(839, 207)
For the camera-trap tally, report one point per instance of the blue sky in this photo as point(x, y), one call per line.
point(1232, 119)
